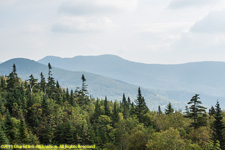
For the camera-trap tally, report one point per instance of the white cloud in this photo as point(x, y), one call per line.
point(33, 28)
point(82, 24)
point(187, 3)
point(214, 22)
point(79, 7)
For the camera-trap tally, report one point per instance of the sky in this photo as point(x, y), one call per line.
point(147, 31)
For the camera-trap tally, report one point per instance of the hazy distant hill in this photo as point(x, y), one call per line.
point(98, 86)
point(199, 77)
point(178, 81)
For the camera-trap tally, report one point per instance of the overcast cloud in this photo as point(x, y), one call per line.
point(149, 31)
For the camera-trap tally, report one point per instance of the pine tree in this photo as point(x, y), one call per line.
point(3, 138)
point(106, 107)
point(9, 127)
point(219, 127)
point(45, 106)
point(141, 107)
point(125, 107)
point(159, 110)
point(58, 94)
point(212, 111)
point(71, 101)
point(59, 135)
point(97, 112)
point(82, 94)
point(195, 109)
point(84, 85)
point(12, 79)
point(51, 82)
point(169, 110)
point(68, 133)
point(43, 83)
point(22, 131)
point(115, 117)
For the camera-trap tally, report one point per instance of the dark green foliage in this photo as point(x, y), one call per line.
point(43, 83)
point(141, 107)
point(97, 112)
point(125, 107)
point(71, 100)
point(51, 82)
point(169, 110)
point(212, 111)
point(68, 133)
point(30, 114)
point(84, 85)
point(106, 107)
point(59, 135)
point(83, 98)
point(218, 127)
point(3, 138)
point(12, 80)
point(159, 110)
point(45, 106)
point(9, 128)
point(22, 133)
point(32, 83)
point(115, 116)
point(196, 110)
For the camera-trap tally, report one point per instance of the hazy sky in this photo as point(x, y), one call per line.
point(149, 31)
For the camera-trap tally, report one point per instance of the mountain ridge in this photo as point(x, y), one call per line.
point(98, 86)
point(203, 77)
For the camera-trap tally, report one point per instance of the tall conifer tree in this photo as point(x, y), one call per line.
point(219, 127)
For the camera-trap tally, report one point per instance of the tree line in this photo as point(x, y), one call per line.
point(42, 112)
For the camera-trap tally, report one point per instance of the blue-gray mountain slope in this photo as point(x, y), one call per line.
point(205, 78)
point(98, 86)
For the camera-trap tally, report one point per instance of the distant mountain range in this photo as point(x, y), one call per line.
point(174, 81)
point(199, 77)
point(98, 86)
point(111, 76)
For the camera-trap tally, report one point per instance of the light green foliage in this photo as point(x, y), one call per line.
point(167, 140)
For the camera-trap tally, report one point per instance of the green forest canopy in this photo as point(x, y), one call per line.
point(42, 112)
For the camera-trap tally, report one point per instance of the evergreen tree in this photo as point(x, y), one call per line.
point(169, 109)
point(9, 128)
point(83, 98)
point(129, 101)
point(106, 107)
point(219, 127)
point(115, 115)
point(159, 110)
point(125, 107)
point(58, 94)
point(59, 134)
point(195, 109)
point(43, 83)
point(45, 106)
point(141, 107)
point(84, 85)
point(212, 111)
point(33, 83)
point(3, 138)
point(12, 79)
point(51, 82)
point(68, 133)
point(71, 101)
point(23, 134)
point(97, 112)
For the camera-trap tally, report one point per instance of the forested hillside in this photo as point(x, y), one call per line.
point(42, 112)
point(99, 86)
